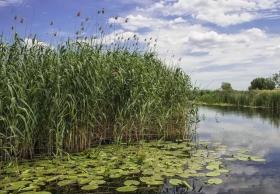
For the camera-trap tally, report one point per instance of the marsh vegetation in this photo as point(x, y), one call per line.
point(102, 113)
point(268, 99)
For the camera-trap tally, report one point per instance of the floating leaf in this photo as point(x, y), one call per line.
point(214, 173)
point(175, 182)
point(97, 182)
point(17, 185)
point(83, 181)
point(131, 182)
point(90, 187)
point(126, 189)
point(215, 181)
point(257, 159)
point(36, 192)
point(66, 183)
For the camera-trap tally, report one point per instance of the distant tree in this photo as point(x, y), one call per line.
point(226, 86)
point(261, 83)
point(276, 79)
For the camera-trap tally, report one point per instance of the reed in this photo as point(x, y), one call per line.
point(255, 98)
point(67, 98)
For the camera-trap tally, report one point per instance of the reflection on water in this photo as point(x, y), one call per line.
point(257, 130)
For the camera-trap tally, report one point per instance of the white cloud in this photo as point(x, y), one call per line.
point(210, 56)
point(4, 3)
point(219, 12)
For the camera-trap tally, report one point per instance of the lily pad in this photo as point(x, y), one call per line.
point(83, 181)
point(66, 183)
point(131, 182)
point(126, 189)
point(175, 182)
point(257, 159)
point(97, 182)
point(90, 187)
point(214, 173)
point(36, 192)
point(214, 181)
point(17, 185)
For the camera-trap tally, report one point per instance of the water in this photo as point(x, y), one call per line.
point(257, 130)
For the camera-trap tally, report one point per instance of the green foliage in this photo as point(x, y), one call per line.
point(276, 79)
point(64, 99)
point(262, 84)
point(226, 86)
point(255, 98)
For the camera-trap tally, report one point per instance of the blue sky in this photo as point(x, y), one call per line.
point(217, 40)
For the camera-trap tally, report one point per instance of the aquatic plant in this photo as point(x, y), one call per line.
point(254, 98)
point(146, 166)
point(67, 97)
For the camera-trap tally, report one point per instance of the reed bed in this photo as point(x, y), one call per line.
point(66, 98)
point(255, 98)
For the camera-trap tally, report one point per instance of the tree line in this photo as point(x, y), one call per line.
point(259, 83)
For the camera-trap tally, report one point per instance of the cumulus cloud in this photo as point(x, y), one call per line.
point(208, 54)
point(219, 12)
point(4, 3)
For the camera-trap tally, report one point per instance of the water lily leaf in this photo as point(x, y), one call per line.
point(117, 175)
point(36, 192)
point(30, 188)
point(83, 181)
point(257, 159)
point(66, 183)
point(97, 182)
point(215, 181)
point(184, 175)
point(53, 178)
point(17, 185)
point(90, 187)
point(131, 182)
point(175, 182)
point(214, 173)
point(126, 189)
point(213, 166)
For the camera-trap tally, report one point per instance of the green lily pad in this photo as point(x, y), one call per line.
point(131, 182)
point(17, 185)
point(126, 189)
point(118, 175)
point(175, 182)
point(214, 181)
point(90, 187)
point(36, 192)
point(66, 183)
point(214, 173)
point(257, 159)
point(97, 182)
point(31, 188)
point(83, 181)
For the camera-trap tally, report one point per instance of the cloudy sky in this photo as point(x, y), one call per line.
point(218, 40)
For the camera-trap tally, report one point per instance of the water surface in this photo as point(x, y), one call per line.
point(257, 130)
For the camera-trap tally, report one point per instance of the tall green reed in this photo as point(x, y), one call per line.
point(65, 98)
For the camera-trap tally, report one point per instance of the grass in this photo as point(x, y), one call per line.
point(67, 98)
point(255, 98)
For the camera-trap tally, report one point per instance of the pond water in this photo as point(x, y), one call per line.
point(257, 130)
